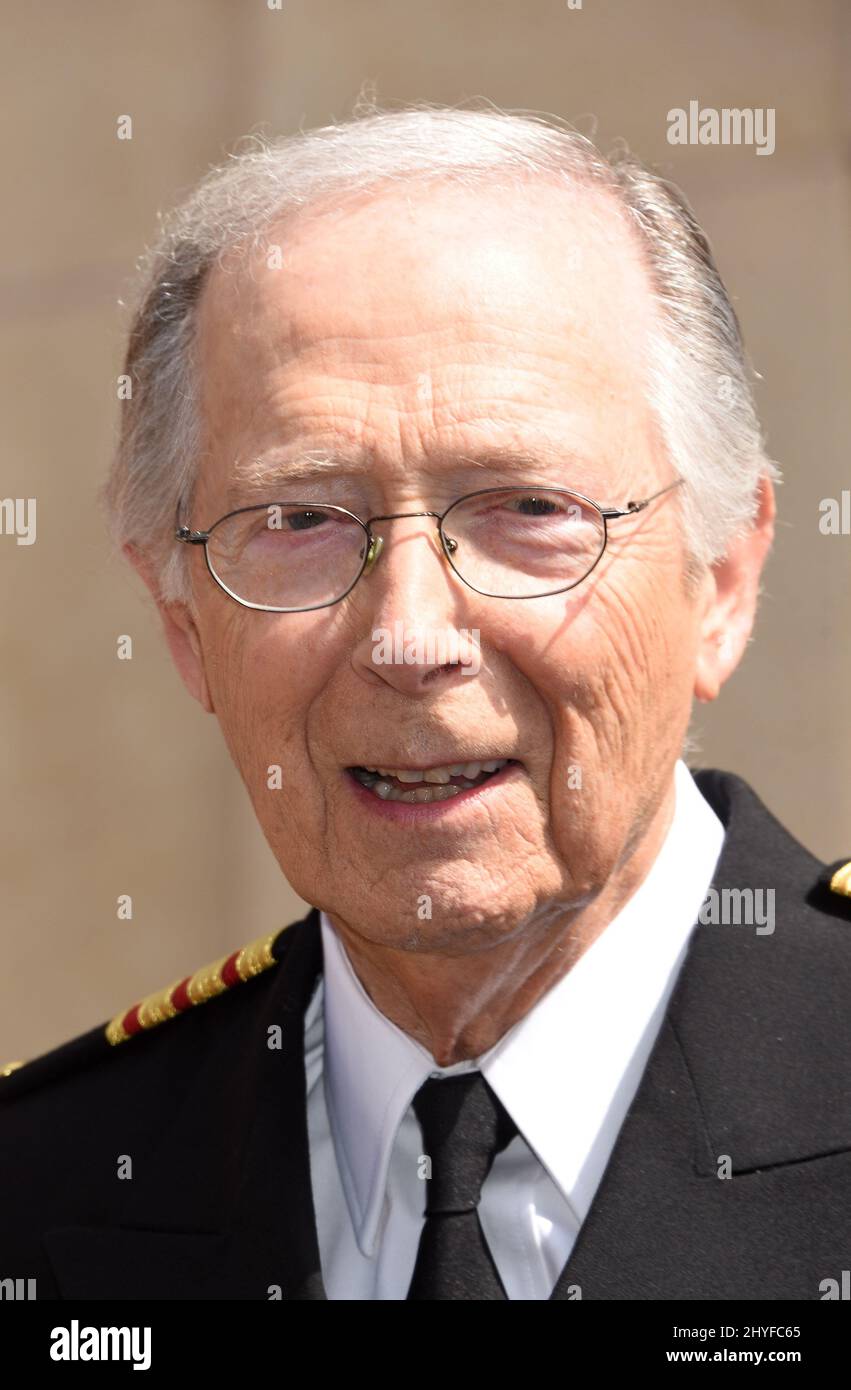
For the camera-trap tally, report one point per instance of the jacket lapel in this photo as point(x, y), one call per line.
point(743, 1081)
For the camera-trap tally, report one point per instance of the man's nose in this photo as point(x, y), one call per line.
point(411, 608)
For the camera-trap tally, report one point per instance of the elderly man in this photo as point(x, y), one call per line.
point(442, 466)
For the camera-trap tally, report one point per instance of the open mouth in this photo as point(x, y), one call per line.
point(423, 785)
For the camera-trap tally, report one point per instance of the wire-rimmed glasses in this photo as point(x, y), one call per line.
point(513, 543)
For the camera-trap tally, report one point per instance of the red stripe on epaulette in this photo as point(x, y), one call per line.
point(230, 974)
point(179, 997)
point(130, 1022)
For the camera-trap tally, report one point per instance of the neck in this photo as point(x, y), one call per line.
point(458, 1007)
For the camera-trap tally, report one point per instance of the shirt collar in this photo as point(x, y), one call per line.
point(586, 1041)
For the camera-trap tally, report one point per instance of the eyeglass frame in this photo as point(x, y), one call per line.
point(375, 544)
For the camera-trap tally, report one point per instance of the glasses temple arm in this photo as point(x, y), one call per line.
point(610, 513)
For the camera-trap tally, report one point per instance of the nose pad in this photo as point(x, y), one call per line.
point(376, 546)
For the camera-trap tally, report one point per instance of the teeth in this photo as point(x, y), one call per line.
point(438, 786)
point(436, 774)
point(388, 792)
point(441, 775)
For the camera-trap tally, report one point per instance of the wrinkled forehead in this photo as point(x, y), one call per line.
point(553, 262)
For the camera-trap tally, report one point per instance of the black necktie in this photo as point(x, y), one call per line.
point(465, 1126)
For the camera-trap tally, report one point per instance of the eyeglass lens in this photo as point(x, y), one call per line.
point(516, 543)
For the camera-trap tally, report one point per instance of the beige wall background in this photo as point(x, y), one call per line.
point(113, 780)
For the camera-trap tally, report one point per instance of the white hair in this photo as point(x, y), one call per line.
point(699, 382)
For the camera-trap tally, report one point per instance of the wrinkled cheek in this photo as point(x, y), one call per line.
point(599, 714)
point(249, 700)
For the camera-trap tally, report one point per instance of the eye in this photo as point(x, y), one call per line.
point(535, 505)
point(306, 520)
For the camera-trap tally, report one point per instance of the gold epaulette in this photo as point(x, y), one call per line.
point(184, 994)
point(18, 1078)
point(840, 881)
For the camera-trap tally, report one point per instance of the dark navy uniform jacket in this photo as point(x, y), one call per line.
point(750, 1074)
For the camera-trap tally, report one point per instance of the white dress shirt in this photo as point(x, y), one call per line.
point(566, 1072)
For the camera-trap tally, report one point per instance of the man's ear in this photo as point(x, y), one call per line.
point(182, 635)
point(730, 599)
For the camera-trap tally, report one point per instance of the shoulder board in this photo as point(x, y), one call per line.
point(840, 878)
point(832, 890)
point(176, 998)
point(195, 989)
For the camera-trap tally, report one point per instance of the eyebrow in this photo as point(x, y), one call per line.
point(259, 475)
